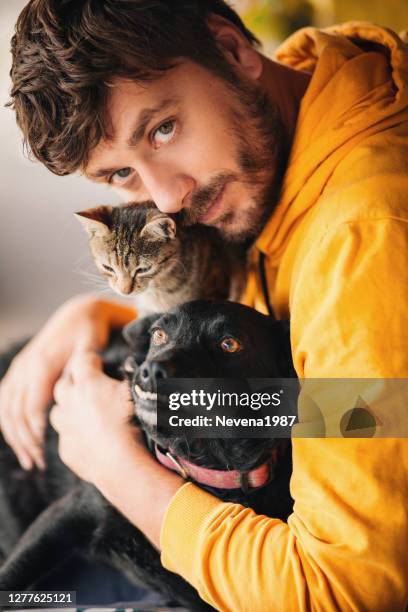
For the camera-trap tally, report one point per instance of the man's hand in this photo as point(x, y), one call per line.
point(91, 415)
point(97, 442)
point(26, 390)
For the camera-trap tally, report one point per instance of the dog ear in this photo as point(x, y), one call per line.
point(137, 336)
point(96, 221)
point(160, 227)
point(129, 365)
point(135, 330)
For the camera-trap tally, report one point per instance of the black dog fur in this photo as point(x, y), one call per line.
point(46, 517)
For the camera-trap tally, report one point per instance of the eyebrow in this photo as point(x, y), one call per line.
point(144, 118)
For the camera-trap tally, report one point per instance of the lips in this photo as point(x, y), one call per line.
point(215, 207)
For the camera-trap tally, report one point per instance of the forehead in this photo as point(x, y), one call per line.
point(127, 100)
point(198, 325)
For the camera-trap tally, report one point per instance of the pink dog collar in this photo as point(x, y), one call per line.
point(220, 479)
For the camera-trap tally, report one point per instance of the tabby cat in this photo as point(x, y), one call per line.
point(142, 251)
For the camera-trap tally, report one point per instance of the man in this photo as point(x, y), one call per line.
point(178, 106)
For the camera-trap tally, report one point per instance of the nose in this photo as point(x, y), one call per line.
point(168, 188)
point(124, 285)
point(152, 371)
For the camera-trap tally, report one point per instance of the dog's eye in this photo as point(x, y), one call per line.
point(230, 345)
point(159, 337)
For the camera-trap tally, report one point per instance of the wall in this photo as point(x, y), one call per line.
point(42, 246)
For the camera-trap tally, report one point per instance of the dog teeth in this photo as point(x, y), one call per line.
point(145, 395)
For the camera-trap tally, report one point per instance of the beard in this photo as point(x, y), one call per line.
point(261, 159)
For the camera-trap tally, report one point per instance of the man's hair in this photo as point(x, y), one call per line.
point(66, 53)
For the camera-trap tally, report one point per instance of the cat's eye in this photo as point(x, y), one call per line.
point(107, 268)
point(164, 133)
point(140, 270)
point(230, 345)
point(159, 337)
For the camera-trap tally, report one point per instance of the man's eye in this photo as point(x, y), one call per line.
point(120, 175)
point(230, 345)
point(159, 337)
point(164, 132)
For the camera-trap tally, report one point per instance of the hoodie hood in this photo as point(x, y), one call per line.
point(359, 86)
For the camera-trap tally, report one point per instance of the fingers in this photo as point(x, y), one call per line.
point(82, 366)
point(12, 435)
point(26, 389)
point(16, 424)
point(24, 396)
point(60, 390)
point(55, 418)
point(28, 448)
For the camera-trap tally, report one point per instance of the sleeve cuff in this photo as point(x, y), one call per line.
point(189, 509)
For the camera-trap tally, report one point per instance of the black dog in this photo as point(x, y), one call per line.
point(46, 517)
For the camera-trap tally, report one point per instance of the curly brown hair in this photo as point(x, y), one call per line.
point(67, 52)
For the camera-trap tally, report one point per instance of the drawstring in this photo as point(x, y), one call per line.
point(264, 284)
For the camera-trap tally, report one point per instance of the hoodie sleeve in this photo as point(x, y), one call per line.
point(344, 546)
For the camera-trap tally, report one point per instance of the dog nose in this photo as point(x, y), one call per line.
point(152, 371)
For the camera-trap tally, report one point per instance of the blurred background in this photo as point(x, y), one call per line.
point(43, 250)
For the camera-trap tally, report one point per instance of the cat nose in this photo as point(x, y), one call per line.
point(152, 371)
point(125, 286)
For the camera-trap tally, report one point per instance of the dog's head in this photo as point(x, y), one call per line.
point(205, 339)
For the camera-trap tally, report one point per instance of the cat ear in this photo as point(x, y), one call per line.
point(96, 221)
point(159, 228)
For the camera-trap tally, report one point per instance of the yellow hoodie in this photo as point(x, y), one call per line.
point(336, 252)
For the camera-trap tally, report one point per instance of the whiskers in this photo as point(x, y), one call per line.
point(96, 282)
point(91, 279)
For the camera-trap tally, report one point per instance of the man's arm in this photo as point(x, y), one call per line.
point(83, 323)
point(106, 450)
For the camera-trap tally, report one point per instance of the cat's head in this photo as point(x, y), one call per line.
point(131, 244)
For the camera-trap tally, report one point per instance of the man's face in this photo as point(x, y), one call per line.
point(196, 145)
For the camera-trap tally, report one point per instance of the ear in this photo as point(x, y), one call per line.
point(137, 336)
point(159, 228)
point(96, 221)
point(129, 367)
point(235, 47)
